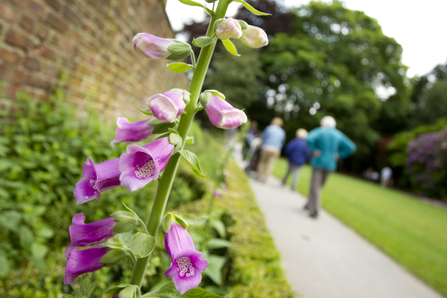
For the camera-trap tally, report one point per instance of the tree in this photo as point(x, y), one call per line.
point(429, 97)
point(337, 62)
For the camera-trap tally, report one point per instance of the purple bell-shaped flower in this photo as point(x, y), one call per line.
point(187, 264)
point(96, 179)
point(141, 165)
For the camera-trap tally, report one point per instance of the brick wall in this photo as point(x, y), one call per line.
point(89, 40)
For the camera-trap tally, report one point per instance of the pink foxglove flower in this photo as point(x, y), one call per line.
point(83, 261)
point(222, 114)
point(128, 132)
point(96, 179)
point(228, 28)
point(169, 105)
point(141, 165)
point(217, 194)
point(155, 47)
point(254, 37)
point(82, 234)
point(187, 264)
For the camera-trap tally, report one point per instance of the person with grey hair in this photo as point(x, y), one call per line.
point(327, 145)
point(297, 153)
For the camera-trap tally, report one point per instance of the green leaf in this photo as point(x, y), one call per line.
point(175, 139)
point(10, 220)
point(38, 251)
point(193, 221)
point(160, 126)
point(214, 269)
point(26, 236)
point(179, 50)
point(203, 41)
point(230, 47)
point(4, 264)
point(146, 112)
point(166, 222)
point(120, 215)
point(193, 162)
point(126, 238)
point(193, 3)
point(128, 292)
point(116, 245)
point(252, 9)
point(142, 245)
point(113, 257)
point(179, 67)
point(217, 243)
point(68, 295)
point(45, 233)
point(219, 226)
point(125, 225)
point(190, 140)
point(169, 291)
point(215, 92)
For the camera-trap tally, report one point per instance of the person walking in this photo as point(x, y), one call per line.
point(385, 176)
point(328, 145)
point(297, 152)
point(273, 139)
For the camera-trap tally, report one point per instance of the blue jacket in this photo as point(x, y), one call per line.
point(297, 151)
point(273, 135)
point(329, 141)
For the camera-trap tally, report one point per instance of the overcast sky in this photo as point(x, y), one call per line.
point(419, 26)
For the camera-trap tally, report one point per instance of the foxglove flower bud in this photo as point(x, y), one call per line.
point(82, 234)
point(141, 165)
point(254, 37)
point(169, 105)
point(228, 28)
point(155, 47)
point(128, 132)
point(84, 261)
point(96, 179)
point(187, 264)
point(221, 113)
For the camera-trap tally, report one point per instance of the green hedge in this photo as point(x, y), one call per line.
point(254, 269)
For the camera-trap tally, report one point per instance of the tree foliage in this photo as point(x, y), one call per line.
point(429, 97)
point(337, 62)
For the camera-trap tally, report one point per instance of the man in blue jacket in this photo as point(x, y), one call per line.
point(297, 153)
point(327, 144)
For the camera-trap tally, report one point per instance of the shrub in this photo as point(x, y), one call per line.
point(426, 164)
point(42, 149)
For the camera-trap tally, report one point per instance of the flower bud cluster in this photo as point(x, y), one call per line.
point(252, 36)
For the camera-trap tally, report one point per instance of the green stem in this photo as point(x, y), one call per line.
point(166, 181)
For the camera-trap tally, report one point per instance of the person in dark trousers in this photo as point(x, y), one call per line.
point(297, 152)
point(328, 145)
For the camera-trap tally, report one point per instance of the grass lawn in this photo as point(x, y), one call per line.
point(412, 232)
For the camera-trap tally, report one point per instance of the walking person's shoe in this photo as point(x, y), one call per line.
point(314, 214)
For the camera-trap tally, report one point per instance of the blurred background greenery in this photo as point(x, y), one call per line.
point(324, 59)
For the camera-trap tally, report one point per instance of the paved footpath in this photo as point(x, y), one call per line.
point(323, 258)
